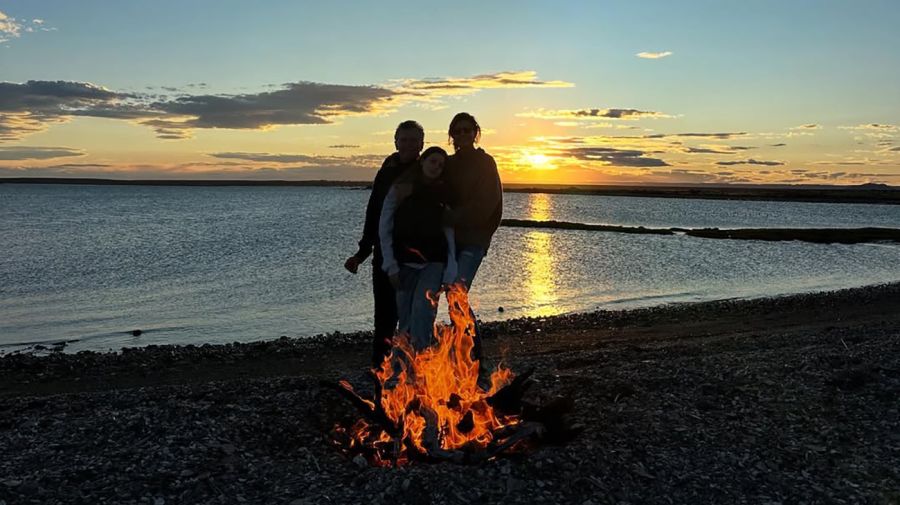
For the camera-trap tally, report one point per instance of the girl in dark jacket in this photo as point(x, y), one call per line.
point(419, 251)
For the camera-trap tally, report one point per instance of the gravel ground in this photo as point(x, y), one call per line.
point(785, 400)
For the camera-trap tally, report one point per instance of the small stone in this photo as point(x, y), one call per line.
point(159, 500)
point(360, 461)
point(513, 484)
point(12, 483)
point(405, 485)
point(136, 333)
point(186, 473)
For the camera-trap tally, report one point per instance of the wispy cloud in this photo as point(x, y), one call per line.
point(35, 105)
point(653, 56)
point(9, 27)
point(871, 126)
point(705, 150)
point(297, 103)
point(886, 128)
point(810, 126)
point(720, 135)
point(367, 160)
point(12, 28)
point(751, 161)
point(872, 131)
point(592, 114)
point(269, 157)
point(447, 86)
point(599, 151)
point(37, 152)
point(614, 157)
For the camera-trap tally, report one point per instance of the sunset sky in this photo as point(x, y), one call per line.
point(803, 92)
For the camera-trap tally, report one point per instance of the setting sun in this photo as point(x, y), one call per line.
point(538, 161)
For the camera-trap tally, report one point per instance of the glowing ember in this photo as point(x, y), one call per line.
point(429, 402)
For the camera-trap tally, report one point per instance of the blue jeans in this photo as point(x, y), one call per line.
point(415, 310)
point(468, 259)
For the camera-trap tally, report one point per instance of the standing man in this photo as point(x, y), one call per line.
point(475, 215)
point(409, 138)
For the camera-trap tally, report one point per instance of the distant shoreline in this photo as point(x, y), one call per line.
point(814, 235)
point(867, 193)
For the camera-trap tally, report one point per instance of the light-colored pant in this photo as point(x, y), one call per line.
point(468, 259)
point(415, 310)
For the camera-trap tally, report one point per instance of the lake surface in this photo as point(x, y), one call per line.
point(221, 264)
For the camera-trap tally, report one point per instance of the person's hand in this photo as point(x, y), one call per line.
point(352, 264)
point(395, 280)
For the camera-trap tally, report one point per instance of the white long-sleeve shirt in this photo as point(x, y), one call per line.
point(386, 237)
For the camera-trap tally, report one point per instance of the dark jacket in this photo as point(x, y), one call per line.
point(418, 228)
point(478, 206)
point(390, 169)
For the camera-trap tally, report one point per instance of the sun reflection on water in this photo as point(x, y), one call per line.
point(539, 206)
point(541, 260)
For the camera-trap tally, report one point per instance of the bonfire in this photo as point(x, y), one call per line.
point(428, 406)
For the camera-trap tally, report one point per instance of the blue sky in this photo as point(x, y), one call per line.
point(761, 69)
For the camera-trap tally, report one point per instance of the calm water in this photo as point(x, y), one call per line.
point(197, 265)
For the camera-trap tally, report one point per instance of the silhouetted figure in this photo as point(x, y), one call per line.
point(409, 138)
point(475, 213)
point(419, 251)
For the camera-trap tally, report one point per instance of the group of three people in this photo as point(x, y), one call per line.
point(429, 221)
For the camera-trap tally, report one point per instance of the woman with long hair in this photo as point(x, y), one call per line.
point(419, 251)
point(477, 208)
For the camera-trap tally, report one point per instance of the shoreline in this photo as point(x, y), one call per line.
point(52, 347)
point(862, 194)
point(52, 364)
point(812, 235)
point(788, 399)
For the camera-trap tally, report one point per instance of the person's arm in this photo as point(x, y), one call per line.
point(451, 268)
point(386, 233)
point(376, 197)
point(482, 199)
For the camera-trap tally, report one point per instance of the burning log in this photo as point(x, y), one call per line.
point(369, 409)
point(509, 399)
point(428, 406)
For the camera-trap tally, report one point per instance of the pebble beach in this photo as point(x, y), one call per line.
point(777, 400)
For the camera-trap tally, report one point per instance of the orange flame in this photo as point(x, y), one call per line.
point(433, 395)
